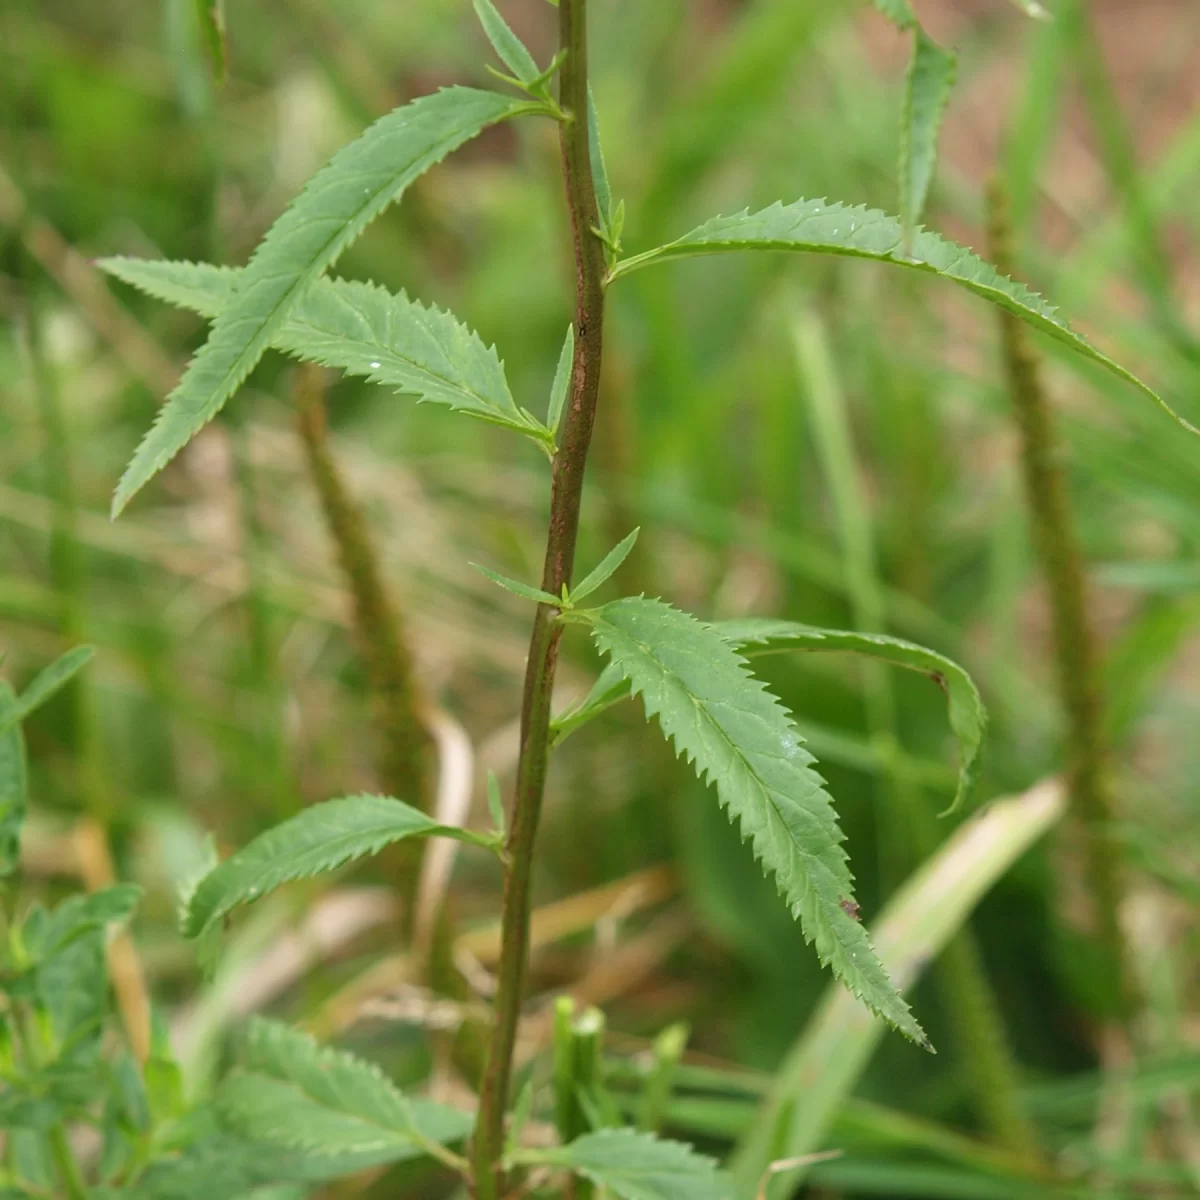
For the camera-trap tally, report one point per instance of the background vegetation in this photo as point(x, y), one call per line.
point(824, 440)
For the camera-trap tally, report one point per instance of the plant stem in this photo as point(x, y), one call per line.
point(567, 489)
point(64, 1162)
point(1075, 651)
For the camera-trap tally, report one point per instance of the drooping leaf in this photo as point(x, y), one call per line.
point(357, 184)
point(320, 838)
point(639, 1166)
point(826, 1062)
point(968, 717)
point(12, 781)
point(926, 89)
point(817, 227)
point(46, 683)
point(361, 329)
point(739, 737)
point(510, 49)
point(606, 567)
point(300, 1095)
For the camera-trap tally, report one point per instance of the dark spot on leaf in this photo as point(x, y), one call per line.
point(850, 908)
point(940, 680)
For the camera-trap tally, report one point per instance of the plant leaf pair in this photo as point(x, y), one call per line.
point(334, 207)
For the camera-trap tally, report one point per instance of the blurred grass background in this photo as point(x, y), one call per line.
point(228, 691)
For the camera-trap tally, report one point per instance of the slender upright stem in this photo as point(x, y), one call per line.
point(567, 490)
point(1075, 651)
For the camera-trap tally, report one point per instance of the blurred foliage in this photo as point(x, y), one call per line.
point(227, 691)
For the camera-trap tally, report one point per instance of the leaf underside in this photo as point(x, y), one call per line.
point(296, 1094)
point(334, 207)
point(819, 227)
point(359, 328)
point(968, 717)
point(320, 838)
point(741, 739)
point(639, 1166)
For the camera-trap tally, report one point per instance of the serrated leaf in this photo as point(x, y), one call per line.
point(79, 915)
point(926, 89)
point(639, 1166)
point(320, 838)
point(562, 381)
point(12, 781)
point(739, 737)
point(359, 328)
point(968, 717)
point(357, 184)
point(516, 587)
point(816, 227)
point(314, 1098)
point(899, 12)
point(607, 567)
point(45, 683)
point(508, 46)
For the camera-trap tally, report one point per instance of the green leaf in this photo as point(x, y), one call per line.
point(320, 838)
point(46, 683)
point(562, 381)
point(510, 49)
point(739, 737)
point(516, 587)
point(12, 781)
point(358, 183)
point(361, 329)
point(609, 689)
point(926, 89)
point(606, 568)
point(968, 717)
point(816, 227)
point(639, 1166)
point(303, 1096)
point(898, 12)
point(604, 203)
point(211, 15)
point(77, 916)
point(824, 1066)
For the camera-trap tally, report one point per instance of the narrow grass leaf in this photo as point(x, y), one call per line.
point(299, 1095)
point(12, 781)
point(926, 89)
point(818, 227)
point(823, 1067)
point(607, 567)
point(638, 1166)
point(362, 329)
point(320, 838)
point(45, 683)
point(739, 737)
point(510, 49)
point(968, 717)
point(357, 184)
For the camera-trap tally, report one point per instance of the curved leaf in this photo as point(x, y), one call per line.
point(968, 717)
point(927, 87)
point(45, 683)
point(639, 1166)
point(739, 737)
point(299, 1095)
point(320, 838)
point(357, 184)
point(361, 329)
point(818, 227)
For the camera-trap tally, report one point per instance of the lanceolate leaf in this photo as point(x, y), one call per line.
point(46, 683)
point(323, 1101)
point(739, 737)
point(12, 781)
point(508, 46)
point(361, 329)
point(639, 1166)
point(316, 840)
point(333, 209)
point(816, 227)
point(968, 717)
point(606, 567)
point(926, 90)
